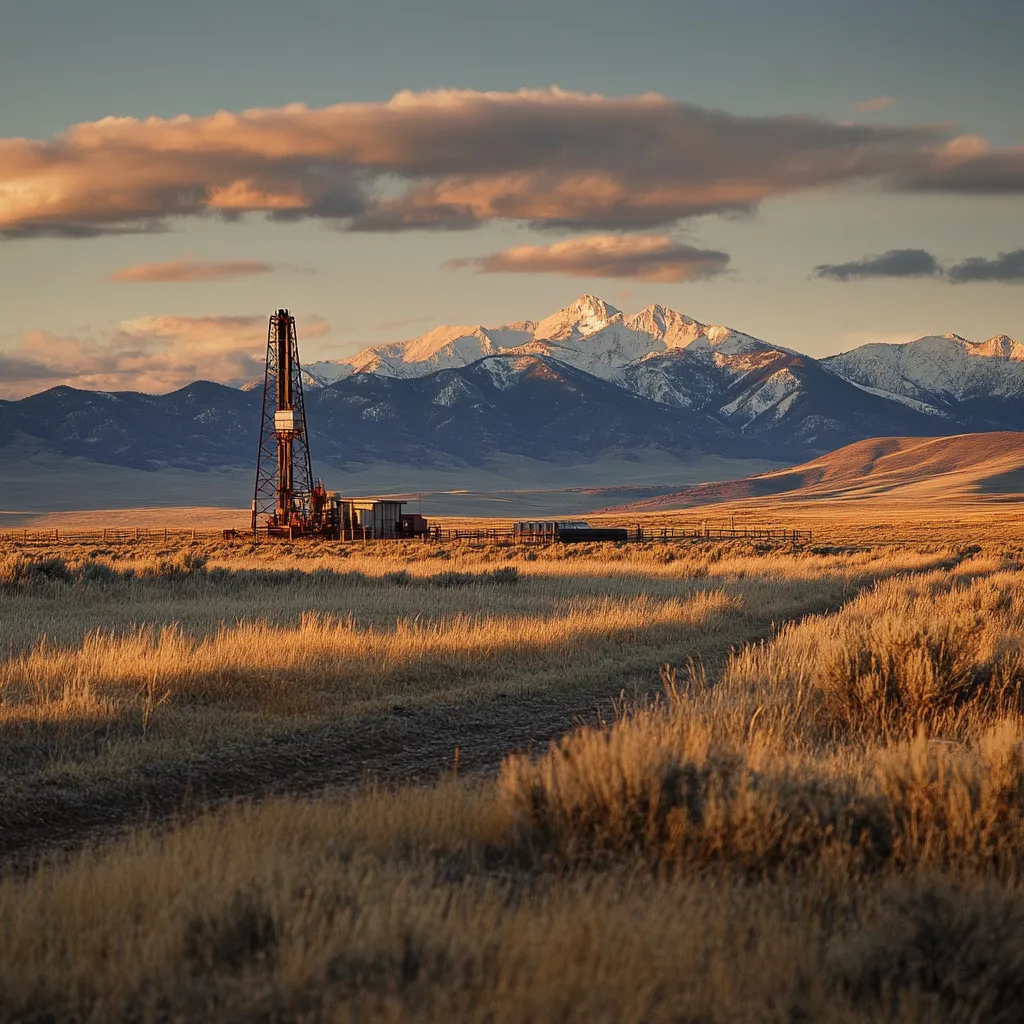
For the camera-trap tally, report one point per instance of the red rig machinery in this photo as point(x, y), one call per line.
point(288, 502)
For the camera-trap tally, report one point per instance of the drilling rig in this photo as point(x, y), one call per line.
point(288, 502)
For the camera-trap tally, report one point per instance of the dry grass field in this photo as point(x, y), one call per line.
point(656, 782)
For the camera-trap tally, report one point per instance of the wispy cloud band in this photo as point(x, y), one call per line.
point(876, 104)
point(186, 270)
point(153, 354)
point(645, 257)
point(457, 158)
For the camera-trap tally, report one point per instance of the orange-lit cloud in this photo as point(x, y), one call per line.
point(968, 165)
point(878, 103)
point(190, 270)
point(154, 354)
point(645, 257)
point(455, 158)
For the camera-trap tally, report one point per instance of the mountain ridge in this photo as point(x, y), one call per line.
point(499, 406)
point(590, 381)
point(981, 381)
point(654, 328)
point(667, 356)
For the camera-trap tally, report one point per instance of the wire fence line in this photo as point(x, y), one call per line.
point(635, 534)
point(58, 536)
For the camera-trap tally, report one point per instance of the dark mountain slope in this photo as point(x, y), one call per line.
point(201, 426)
point(502, 405)
point(526, 406)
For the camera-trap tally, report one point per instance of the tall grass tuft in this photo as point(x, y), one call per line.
point(930, 654)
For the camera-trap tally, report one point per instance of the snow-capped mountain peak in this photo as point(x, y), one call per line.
point(591, 379)
point(442, 348)
point(586, 316)
point(674, 359)
point(1002, 346)
point(447, 340)
point(675, 329)
point(719, 341)
point(589, 334)
point(937, 368)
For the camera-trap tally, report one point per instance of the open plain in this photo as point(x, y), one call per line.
point(663, 781)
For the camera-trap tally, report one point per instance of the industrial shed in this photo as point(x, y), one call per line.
point(375, 518)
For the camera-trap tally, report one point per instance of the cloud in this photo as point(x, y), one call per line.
point(154, 354)
point(969, 166)
point(1007, 267)
point(20, 369)
point(894, 263)
point(190, 270)
point(878, 103)
point(453, 159)
point(645, 257)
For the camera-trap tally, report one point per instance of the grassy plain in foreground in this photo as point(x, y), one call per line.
point(826, 824)
point(131, 654)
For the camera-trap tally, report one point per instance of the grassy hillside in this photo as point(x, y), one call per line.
point(980, 468)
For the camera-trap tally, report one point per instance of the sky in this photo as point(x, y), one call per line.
point(818, 175)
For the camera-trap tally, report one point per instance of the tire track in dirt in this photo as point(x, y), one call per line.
point(404, 745)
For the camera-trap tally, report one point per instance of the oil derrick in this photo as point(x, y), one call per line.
point(286, 501)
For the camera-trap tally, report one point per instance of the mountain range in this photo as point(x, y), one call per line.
point(752, 385)
point(586, 382)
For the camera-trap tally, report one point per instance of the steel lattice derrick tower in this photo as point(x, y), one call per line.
point(284, 473)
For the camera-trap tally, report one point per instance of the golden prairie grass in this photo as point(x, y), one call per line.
point(424, 558)
point(826, 825)
point(433, 905)
point(937, 653)
point(138, 654)
point(374, 910)
point(123, 586)
point(326, 663)
point(892, 729)
point(654, 788)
